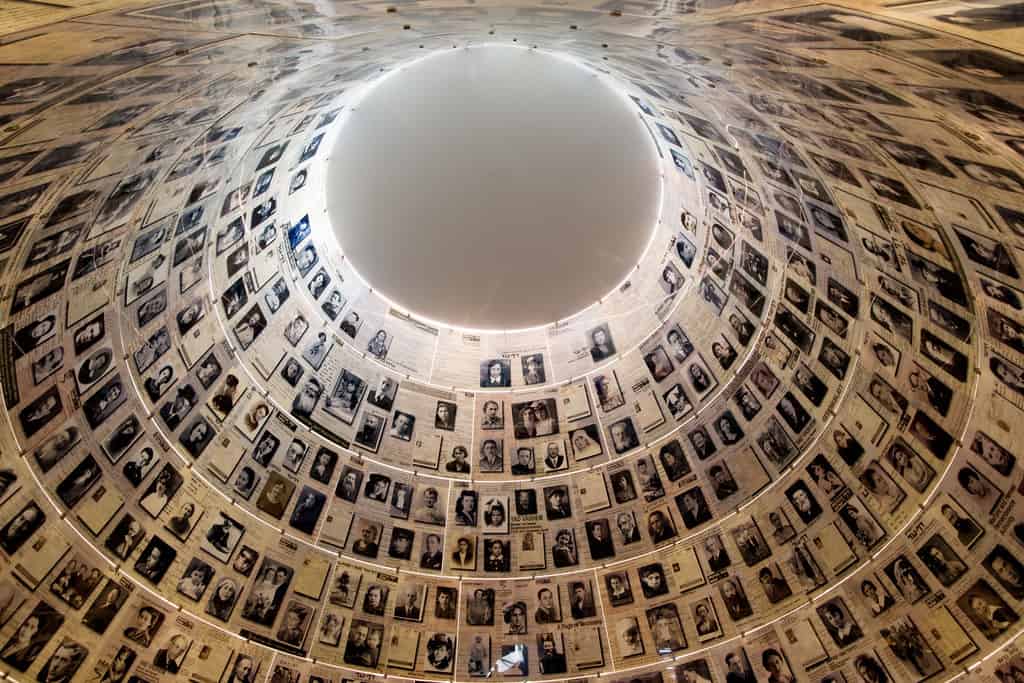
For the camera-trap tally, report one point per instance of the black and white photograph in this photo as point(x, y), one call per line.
point(267, 592)
point(623, 436)
point(370, 431)
point(839, 623)
point(161, 490)
point(105, 607)
point(533, 369)
point(599, 341)
point(751, 543)
point(586, 442)
point(402, 425)
point(666, 628)
point(363, 646)
point(535, 418)
point(196, 579)
point(492, 457)
point(693, 507)
point(565, 552)
point(79, 481)
point(941, 560)
point(31, 636)
point(155, 560)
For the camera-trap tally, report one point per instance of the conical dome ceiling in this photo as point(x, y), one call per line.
point(656, 342)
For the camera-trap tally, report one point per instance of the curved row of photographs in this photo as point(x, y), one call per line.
point(769, 450)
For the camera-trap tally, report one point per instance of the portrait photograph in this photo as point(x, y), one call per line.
point(155, 560)
point(410, 599)
point(600, 342)
point(478, 661)
point(250, 326)
point(362, 648)
point(618, 588)
point(533, 369)
point(492, 415)
point(366, 535)
point(608, 391)
point(623, 488)
point(677, 403)
point(38, 287)
point(666, 628)
point(910, 466)
point(432, 552)
point(253, 416)
point(658, 363)
point(267, 593)
point(693, 507)
point(222, 537)
point(653, 581)
point(295, 624)
point(349, 483)
point(321, 469)
point(803, 502)
point(379, 345)
point(623, 436)
point(860, 524)
point(659, 526)
point(705, 618)
point(907, 579)
point(316, 351)
point(196, 579)
point(52, 361)
point(629, 637)
point(492, 458)
point(444, 416)
point(76, 582)
point(599, 539)
point(345, 586)
point(265, 449)
point(839, 622)
point(401, 500)
point(370, 431)
point(330, 628)
point(295, 330)
point(351, 324)
point(160, 491)
point(295, 455)
point(377, 487)
point(524, 461)
point(586, 442)
point(79, 481)
point(728, 428)
point(106, 606)
point(400, 544)
point(1006, 569)
point(699, 377)
point(939, 557)
point(495, 373)
point(751, 543)
point(275, 496)
point(31, 636)
point(535, 418)
point(402, 425)
point(565, 552)
point(441, 652)
point(188, 515)
point(102, 404)
point(909, 646)
point(495, 515)
point(34, 335)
